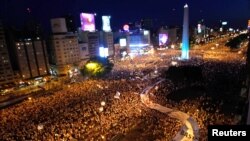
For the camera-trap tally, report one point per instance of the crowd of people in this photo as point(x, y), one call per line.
point(216, 100)
point(75, 113)
point(111, 108)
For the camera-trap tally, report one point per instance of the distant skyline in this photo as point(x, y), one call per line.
point(169, 12)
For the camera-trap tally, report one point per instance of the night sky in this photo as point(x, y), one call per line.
point(169, 12)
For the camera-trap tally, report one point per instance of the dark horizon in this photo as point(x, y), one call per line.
point(166, 12)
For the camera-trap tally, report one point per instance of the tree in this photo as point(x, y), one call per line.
point(235, 42)
point(96, 67)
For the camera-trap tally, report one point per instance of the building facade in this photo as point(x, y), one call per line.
point(107, 41)
point(32, 57)
point(92, 39)
point(134, 42)
point(84, 52)
point(65, 49)
point(6, 72)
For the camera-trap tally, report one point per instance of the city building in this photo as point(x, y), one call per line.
point(65, 51)
point(92, 39)
point(28, 51)
point(6, 72)
point(107, 41)
point(106, 38)
point(117, 50)
point(202, 34)
point(138, 42)
point(172, 35)
point(84, 52)
point(133, 42)
point(31, 57)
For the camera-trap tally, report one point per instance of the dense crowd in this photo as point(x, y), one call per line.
point(74, 114)
point(111, 109)
point(215, 101)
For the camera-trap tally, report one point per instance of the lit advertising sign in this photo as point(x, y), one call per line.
point(123, 42)
point(145, 32)
point(163, 39)
point(103, 52)
point(199, 28)
point(87, 22)
point(106, 23)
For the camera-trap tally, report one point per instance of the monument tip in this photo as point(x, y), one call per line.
point(186, 5)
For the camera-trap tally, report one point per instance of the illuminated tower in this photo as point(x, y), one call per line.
point(185, 35)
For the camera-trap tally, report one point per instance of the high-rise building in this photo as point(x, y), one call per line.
point(92, 39)
point(172, 35)
point(28, 50)
point(65, 53)
point(84, 52)
point(185, 34)
point(93, 43)
point(64, 49)
point(107, 41)
point(31, 57)
point(6, 72)
point(134, 42)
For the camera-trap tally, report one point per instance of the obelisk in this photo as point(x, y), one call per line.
point(185, 35)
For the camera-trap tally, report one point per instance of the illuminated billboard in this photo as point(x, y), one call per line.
point(87, 22)
point(103, 52)
point(106, 23)
point(145, 32)
point(199, 28)
point(123, 42)
point(163, 38)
